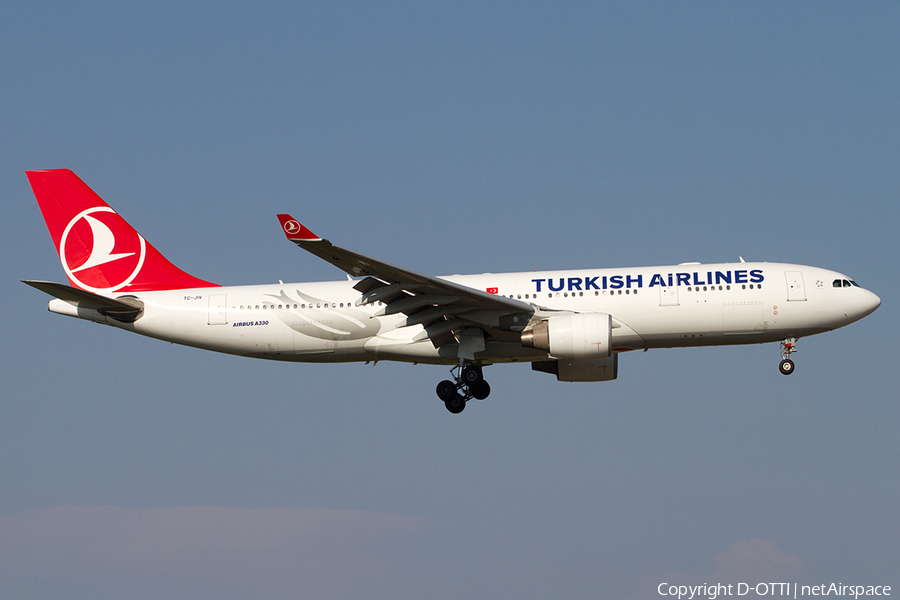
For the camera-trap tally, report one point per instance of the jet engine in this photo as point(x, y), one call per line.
point(571, 335)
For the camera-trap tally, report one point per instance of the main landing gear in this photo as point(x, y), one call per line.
point(788, 347)
point(468, 382)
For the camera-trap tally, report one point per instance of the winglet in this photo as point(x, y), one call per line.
point(295, 231)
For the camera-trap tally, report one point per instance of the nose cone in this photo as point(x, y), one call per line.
point(872, 302)
point(855, 305)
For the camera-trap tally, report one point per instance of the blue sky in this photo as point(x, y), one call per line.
point(450, 138)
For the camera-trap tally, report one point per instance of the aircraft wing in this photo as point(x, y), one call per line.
point(440, 305)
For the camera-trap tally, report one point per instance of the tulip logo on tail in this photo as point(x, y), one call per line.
point(291, 227)
point(92, 256)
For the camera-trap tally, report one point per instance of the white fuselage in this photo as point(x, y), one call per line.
point(651, 307)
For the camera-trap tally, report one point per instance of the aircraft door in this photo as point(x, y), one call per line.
point(795, 290)
point(668, 295)
point(217, 314)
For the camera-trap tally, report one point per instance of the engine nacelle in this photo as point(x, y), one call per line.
point(596, 369)
point(572, 336)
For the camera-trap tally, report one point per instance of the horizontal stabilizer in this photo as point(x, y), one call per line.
point(121, 309)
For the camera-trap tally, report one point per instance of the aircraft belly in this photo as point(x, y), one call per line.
point(407, 350)
point(403, 350)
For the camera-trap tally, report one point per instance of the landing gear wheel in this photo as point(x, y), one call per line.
point(471, 374)
point(480, 390)
point(788, 347)
point(456, 405)
point(468, 382)
point(446, 391)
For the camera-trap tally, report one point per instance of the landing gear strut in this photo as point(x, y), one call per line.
point(788, 347)
point(468, 382)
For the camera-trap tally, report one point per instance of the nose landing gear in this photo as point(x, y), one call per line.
point(468, 382)
point(788, 347)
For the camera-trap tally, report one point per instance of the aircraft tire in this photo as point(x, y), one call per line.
point(786, 367)
point(446, 390)
point(480, 390)
point(472, 374)
point(456, 405)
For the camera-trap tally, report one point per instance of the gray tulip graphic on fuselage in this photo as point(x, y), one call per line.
point(324, 320)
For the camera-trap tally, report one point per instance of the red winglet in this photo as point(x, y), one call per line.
point(295, 231)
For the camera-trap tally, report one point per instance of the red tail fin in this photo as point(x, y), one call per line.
point(99, 250)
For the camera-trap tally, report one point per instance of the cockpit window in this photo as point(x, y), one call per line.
point(844, 283)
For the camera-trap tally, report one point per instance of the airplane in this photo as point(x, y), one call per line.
point(573, 324)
